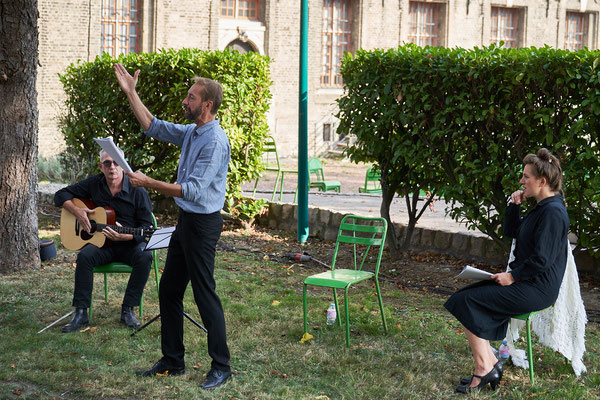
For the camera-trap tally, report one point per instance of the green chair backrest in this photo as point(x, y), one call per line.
point(315, 167)
point(270, 157)
point(364, 234)
point(373, 175)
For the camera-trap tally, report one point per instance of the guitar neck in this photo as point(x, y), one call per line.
point(123, 229)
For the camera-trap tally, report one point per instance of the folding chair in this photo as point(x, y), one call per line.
point(368, 233)
point(316, 168)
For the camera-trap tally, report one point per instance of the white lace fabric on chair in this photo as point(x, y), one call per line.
point(561, 327)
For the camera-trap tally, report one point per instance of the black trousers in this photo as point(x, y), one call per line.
point(191, 257)
point(91, 256)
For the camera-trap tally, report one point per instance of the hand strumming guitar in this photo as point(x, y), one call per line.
point(81, 214)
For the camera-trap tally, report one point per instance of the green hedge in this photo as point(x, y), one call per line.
point(460, 122)
point(96, 107)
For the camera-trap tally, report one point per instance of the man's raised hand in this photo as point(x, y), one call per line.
point(126, 81)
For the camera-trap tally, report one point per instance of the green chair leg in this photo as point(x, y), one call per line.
point(105, 288)
point(381, 305)
point(337, 308)
point(347, 316)
point(275, 186)
point(530, 350)
point(304, 308)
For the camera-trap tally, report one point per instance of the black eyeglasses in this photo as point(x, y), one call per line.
point(108, 163)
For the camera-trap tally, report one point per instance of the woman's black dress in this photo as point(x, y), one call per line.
point(485, 307)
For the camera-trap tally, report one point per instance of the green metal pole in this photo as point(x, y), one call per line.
point(303, 127)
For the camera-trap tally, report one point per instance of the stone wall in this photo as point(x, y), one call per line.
point(324, 224)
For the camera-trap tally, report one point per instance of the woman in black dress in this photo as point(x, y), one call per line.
point(485, 308)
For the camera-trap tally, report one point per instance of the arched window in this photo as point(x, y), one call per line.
point(241, 46)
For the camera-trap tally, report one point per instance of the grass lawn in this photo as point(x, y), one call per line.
point(422, 357)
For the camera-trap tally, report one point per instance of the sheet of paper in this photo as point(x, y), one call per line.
point(473, 273)
point(111, 149)
point(160, 239)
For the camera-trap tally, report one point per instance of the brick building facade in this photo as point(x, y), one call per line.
point(72, 30)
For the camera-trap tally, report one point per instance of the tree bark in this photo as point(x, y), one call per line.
point(18, 135)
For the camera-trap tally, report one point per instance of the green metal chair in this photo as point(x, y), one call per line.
point(122, 268)
point(372, 181)
point(527, 318)
point(271, 163)
point(368, 233)
point(315, 168)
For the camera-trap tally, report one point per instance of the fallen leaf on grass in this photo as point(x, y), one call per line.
point(16, 392)
point(399, 327)
point(85, 329)
point(168, 387)
point(275, 302)
point(323, 397)
point(306, 337)
point(163, 374)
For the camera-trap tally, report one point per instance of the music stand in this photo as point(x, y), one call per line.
point(160, 239)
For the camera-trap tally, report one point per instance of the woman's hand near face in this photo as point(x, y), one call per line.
point(503, 279)
point(517, 197)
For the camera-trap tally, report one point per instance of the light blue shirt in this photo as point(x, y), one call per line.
point(203, 164)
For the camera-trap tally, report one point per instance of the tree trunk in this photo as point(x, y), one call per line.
point(18, 135)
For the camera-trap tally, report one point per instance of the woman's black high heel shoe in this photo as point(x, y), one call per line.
point(492, 377)
point(499, 366)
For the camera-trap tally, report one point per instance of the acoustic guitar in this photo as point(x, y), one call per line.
point(74, 237)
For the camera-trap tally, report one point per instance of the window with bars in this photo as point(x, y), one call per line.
point(505, 26)
point(120, 27)
point(242, 9)
point(337, 38)
point(576, 30)
point(425, 20)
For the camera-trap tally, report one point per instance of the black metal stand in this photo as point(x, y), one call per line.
point(192, 320)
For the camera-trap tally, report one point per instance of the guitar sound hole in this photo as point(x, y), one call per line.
point(88, 236)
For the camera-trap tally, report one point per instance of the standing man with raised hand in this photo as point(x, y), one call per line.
point(200, 195)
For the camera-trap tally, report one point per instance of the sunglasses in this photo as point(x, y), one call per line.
point(108, 163)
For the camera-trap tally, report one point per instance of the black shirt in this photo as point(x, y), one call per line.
point(132, 204)
point(542, 240)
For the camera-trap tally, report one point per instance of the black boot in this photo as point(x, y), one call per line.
point(128, 318)
point(80, 320)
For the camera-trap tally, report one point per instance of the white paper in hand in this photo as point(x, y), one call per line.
point(473, 273)
point(111, 149)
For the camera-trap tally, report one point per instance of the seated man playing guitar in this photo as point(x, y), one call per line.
point(110, 189)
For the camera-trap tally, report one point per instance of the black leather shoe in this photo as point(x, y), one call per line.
point(128, 318)
point(161, 368)
point(493, 378)
point(214, 378)
point(80, 320)
point(499, 366)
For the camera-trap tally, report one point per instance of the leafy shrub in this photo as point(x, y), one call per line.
point(96, 107)
point(460, 122)
point(63, 168)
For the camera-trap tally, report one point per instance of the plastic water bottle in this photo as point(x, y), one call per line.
point(331, 314)
point(503, 350)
